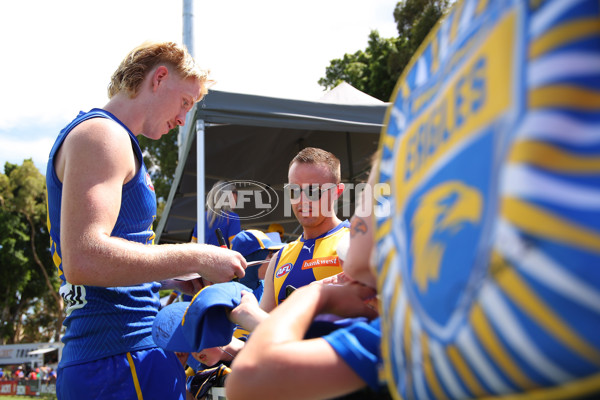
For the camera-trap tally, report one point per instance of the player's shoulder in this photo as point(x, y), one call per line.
point(101, 134)
point(100, 129)
point(294, 243)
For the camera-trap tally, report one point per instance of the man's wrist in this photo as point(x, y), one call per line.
point(316, 293)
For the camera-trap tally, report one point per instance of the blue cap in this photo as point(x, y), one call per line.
point(251, 240)
point(201, 323)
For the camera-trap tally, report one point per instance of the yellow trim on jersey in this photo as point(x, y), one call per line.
point(385, 350)
point(289, 254)
point(562, 34)
point(388, 140)
point(534, 4)
point(464, 371)
point(519, 292)
point(568, 97)
point(408, 350)
point(136, 382)
point(552, 158)
point(536, 221)
point(383, 230)
point(568, 390)
point(458, 10)
point(386, 265)
point(430, 376)
point(324, 256)
point(56, 258)
point(496, 350)
point(435, 61)
point(481, 6)
point(189, 371)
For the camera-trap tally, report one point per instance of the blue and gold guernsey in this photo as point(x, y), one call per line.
point(489, 260)
point(106, 321)
point(304, 261)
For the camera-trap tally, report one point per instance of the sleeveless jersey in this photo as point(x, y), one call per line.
point(304, 261)
point(488, 257)
point(106, 321)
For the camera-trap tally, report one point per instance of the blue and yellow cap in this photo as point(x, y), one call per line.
point(252, 240)
point(201, 323)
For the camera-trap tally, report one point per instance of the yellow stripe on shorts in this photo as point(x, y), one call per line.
point(136, 381)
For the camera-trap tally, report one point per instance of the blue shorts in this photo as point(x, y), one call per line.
point(145, 374)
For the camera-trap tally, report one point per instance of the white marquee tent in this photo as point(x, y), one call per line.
point(249, 137)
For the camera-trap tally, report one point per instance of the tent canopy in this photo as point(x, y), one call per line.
point(43, 350)
point(253, 138)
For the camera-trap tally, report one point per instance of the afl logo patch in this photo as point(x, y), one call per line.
point(149, 182)
point(283, 270)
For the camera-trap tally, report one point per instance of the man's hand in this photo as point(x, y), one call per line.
point(248, 314)
point(217, 264)
point(190, 287)
point(348, 300)
point(193, 286)
point(339, 279)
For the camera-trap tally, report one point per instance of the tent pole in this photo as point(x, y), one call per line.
point(200, 179)
point(349, 153)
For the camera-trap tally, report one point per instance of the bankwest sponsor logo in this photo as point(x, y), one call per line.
point(332, 261)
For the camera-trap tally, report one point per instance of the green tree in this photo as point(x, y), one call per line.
point(160, 157)
point(29, 282)
point(376, 69)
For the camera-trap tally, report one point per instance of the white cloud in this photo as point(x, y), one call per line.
point(15, 150)
point(58, 55)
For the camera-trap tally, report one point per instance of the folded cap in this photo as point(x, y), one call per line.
point(201, 323)
point(251, 240)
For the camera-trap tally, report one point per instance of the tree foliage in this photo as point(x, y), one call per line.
point(30, 307)
point(160, 157)
point(376, 69)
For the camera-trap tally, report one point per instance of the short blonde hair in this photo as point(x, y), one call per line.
point(141, 60)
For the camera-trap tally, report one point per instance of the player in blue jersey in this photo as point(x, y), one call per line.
point(314, 186)
point(101, 207)
point(278, 362)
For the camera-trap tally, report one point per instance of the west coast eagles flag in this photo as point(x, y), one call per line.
point(489, 260)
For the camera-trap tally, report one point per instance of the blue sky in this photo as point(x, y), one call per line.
point(58, 55)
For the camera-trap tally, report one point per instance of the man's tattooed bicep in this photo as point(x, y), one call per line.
point(358, 225)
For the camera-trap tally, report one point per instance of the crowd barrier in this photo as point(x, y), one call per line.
point(26, 388)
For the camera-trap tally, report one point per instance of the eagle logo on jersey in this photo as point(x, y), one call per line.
point(286, 268)
point(442, 214)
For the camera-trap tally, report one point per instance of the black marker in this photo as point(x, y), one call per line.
point(221, 238)
point(223, 244)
